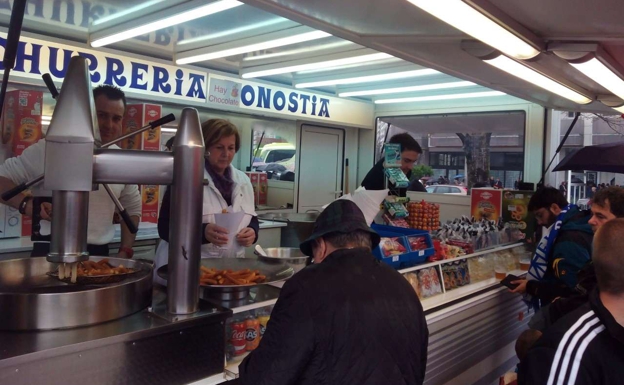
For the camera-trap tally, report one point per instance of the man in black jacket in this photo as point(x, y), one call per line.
point(410, 152)
point(346, 319)
point(587, 345)
point(608, 204)
point(565, 251)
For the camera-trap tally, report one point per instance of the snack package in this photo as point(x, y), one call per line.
point(449, 273)
point(396, 222)
point(412, 278)
point(391, 246)
point(396, 210)
point(392, 155)
point(397, 178)
point(429, 282)
point(417, 243)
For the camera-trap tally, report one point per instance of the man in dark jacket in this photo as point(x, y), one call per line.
point(587, 345)
point(346, 319)
point(564, 251)
point(410, 152)
point(608, 204)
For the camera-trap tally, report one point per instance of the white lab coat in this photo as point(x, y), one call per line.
point(242, 200)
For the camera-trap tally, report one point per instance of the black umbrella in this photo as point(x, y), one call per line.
point(604, 157)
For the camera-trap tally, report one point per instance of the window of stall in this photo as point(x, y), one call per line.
point(273, 152)
point(495, 139)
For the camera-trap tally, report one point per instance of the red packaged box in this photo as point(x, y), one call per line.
point(486, 203)
point(22, 120)
point(21, 128)
point(260, 184)
point(137, 116)
point(149, 199)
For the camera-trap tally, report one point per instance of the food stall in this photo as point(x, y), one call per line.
point(324, 110)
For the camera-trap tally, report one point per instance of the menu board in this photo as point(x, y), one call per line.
point(486, 204)
point(517, 215)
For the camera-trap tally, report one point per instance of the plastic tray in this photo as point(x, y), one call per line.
point(410, 258)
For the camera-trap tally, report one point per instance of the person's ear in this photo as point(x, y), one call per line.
point(320, 251)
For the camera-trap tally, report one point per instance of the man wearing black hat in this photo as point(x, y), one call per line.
point(346, 319)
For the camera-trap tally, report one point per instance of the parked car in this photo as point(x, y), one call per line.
point(447, 189)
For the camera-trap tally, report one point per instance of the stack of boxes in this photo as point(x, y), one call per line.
point(260, 183)
point(21, 128)
point(137, 116)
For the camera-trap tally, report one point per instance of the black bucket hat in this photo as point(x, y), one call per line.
point(342, 216)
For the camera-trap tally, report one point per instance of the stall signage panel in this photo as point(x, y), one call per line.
point(229, 92)
point(36, 57)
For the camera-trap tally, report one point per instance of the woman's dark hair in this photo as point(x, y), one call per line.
point(544, 197)
point(111, 93)
point(407, 142)
point(216, 129)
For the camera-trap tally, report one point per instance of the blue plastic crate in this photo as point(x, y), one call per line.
point(410, 258)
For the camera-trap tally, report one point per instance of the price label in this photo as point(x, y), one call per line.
point(395, 258)
point(421, 253)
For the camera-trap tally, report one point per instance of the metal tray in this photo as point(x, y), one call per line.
point(274, 272)
point(31, 299)
point(94, 279)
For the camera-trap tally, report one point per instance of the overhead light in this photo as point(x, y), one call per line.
point(324, 64)
point(472, 22)
point(167, 129)
point(601, 74)
point(300, 38)
point(46, 118)
point(233, 31)
point(319, 47)
point(440, 97)
point(377, 63)
point(170, 21)
point(125, 12)
point(368, 79)
point(525, 73)
point(397, 90)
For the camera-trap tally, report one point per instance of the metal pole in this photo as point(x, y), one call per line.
point(69, 226)
point(186, 215)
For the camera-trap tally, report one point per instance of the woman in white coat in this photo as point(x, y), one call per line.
point(226, 187)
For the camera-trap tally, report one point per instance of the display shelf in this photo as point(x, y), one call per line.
point(464, 291)
point(467, 256)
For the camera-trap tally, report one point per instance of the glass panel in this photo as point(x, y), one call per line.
point(495, 139)
point(273, 151)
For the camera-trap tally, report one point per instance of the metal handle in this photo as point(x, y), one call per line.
point(122, 211)
point(47, 79)
point(7, 195)
point(158, 122)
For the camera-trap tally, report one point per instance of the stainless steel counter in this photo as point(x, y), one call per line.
point(149, 347)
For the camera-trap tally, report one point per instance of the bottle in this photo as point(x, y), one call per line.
point(263, 318)
point(252, 333)
point(238, 336)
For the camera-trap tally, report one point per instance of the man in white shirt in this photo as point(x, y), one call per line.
point(110, 105)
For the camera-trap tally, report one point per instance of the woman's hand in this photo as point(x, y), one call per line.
point(246, 237)
point(216, 235)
